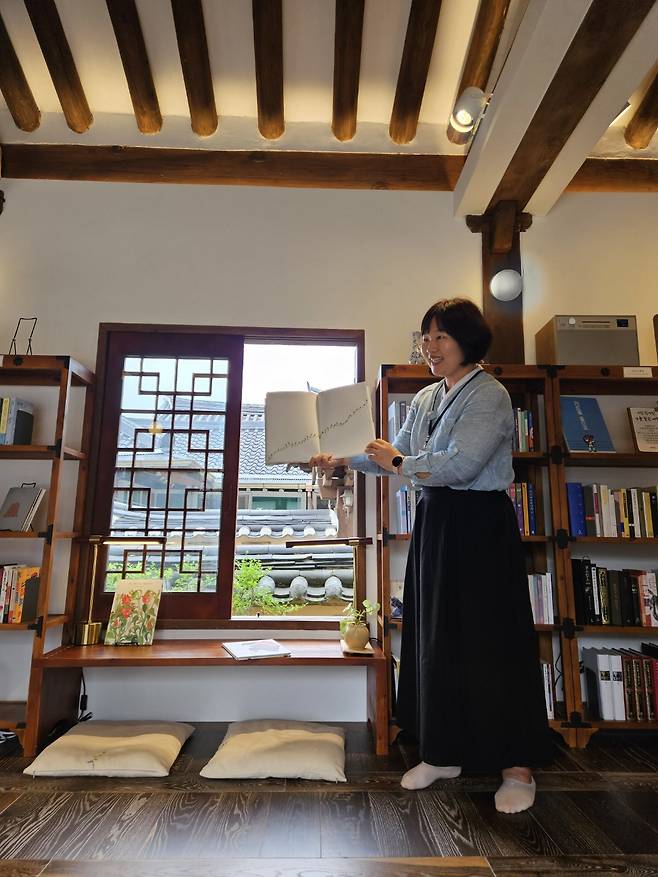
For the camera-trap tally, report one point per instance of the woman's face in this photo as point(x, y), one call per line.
point(442, 352)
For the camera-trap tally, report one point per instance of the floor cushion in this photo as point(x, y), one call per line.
point(277, 748)
point(113, 749)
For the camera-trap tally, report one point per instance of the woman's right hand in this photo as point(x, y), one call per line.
point(326, 462)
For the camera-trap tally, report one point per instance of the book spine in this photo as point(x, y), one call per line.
point(532, 513)
point(638, 680)
point(604, 595)
point(588, 590)
point(650, 698)
point(590, 519)
point(616, 617)
point(629, 687)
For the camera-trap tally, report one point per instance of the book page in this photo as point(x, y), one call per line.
point(291, 427)
point(345, 420)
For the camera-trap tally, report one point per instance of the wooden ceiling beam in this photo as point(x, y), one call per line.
point(13, 84)
point(195, 62)
point(616, 175)
point(330, 170)
point(132, 49)
point(268, 49)
point(642, 126)
point(348, 37)
point(414, 67)
point(59, 60)
point(597, 46)
point(481, 53)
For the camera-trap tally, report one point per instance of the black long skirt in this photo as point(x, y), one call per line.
point(470, 686)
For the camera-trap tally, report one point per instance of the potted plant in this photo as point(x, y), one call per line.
point(353, 627)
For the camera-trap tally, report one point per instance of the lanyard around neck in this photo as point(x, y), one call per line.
point(434, 423)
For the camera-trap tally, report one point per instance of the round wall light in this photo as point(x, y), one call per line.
point(506, 285)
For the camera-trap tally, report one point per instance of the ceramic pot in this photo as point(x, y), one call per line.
point(357, 636)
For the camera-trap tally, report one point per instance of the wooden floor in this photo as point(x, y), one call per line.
point(596, 812)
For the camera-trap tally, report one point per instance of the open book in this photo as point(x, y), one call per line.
point(247, 650)
point(299, 425)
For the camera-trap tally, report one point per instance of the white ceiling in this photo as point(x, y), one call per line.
point(308, 27)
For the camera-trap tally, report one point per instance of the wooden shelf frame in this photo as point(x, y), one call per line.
point(61, 667)
point(59, 374)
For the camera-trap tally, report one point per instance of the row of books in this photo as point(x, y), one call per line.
point(19, 590)
point(16, 421)
point(524, 431)
point(20, 506)
point(598, 510)
point(622, 684)
point(522, 494)
point(541, 597)
point(620, 597)
point(406, 498)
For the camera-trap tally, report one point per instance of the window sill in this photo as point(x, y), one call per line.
point(247, 623)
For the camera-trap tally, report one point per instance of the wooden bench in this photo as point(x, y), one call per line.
point(55, 695)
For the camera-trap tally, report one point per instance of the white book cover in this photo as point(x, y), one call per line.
point(549, 613)
point(617, 678)
point(300, 424)
point(248, 650)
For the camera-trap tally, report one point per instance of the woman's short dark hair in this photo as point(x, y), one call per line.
point(463, 320)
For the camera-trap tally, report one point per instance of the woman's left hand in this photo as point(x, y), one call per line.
point(382, 453)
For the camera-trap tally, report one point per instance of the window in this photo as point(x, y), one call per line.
point(176, 423)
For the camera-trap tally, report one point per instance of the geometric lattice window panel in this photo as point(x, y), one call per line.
point(169, 468)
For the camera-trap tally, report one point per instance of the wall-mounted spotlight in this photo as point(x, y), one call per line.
point(506, 285)
point(468, 109)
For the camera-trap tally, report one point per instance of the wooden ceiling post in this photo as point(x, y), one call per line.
point(132, 49)
point(348, 38)
point(642, 126)
point(195, 62)
point(59, 60)
point(268, 51)
point(501, 248)
point(14, 87)
point(414, 67)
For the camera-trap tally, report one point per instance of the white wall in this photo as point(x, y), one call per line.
point(76, 254)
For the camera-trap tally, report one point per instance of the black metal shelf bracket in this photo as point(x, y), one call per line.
point(37, 625)
point(576, 721)
point(569, 628)
point(557, 455)
point(562, 538)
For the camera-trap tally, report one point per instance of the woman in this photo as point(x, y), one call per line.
point(470, 687)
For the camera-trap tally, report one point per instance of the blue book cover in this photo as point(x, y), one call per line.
point(576, 508)
point(583, 425)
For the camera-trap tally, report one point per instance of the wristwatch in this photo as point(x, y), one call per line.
point(397, 461)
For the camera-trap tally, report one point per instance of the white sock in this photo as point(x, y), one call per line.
point(514, 796)
point(423, 775)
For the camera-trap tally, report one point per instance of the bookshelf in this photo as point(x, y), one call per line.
point(549, 467)
point(627, 468)
point(531, 389)
point(56, 375)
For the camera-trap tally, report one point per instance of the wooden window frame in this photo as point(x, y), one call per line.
point(210, 611)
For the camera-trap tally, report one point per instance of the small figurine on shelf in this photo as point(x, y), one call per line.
point(396, 608)
point(415, 355)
